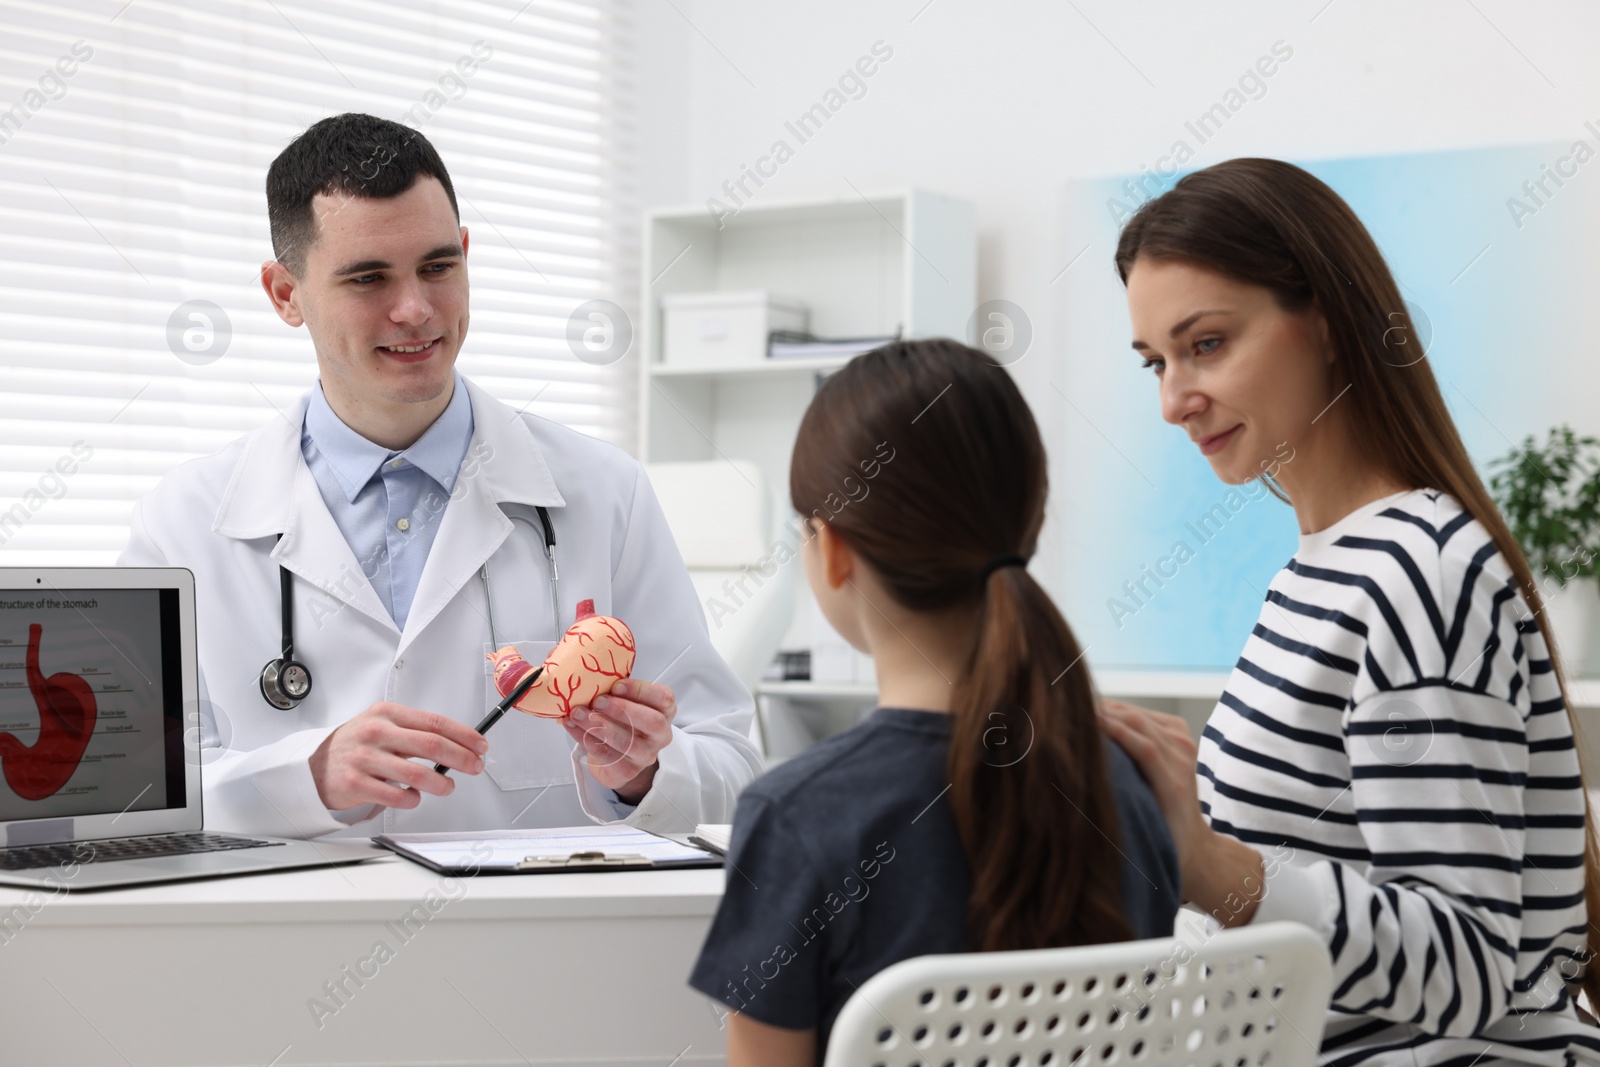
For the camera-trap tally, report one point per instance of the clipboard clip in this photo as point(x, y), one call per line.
point(583, 859)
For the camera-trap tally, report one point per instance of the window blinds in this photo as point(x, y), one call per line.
point(134, 143)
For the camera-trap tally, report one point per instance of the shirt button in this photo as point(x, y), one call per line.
point(403, 525)
point(393, 463)
point(399, 664)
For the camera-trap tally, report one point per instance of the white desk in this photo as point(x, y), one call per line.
point(525, 969)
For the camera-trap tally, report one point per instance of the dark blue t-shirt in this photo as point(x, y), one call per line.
point(845, 860)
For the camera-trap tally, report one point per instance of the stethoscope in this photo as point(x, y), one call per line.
point(285, 681)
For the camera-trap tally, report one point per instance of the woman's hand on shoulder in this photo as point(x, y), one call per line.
point(1214, 867)
point(1166, 752)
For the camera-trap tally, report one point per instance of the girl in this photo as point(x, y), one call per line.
point(1392, 762)
point(979, 807)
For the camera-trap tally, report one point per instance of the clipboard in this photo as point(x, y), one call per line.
point(550, 850)
point(700, 842)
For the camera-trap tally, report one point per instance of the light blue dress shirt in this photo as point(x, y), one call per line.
point(387, 504)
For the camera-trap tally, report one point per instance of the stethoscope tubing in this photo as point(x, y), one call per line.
point(273, 673)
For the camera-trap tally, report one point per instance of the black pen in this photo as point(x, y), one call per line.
point(500, 709)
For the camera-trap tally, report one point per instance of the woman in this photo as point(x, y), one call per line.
point(979, 807)
point(1392, 762)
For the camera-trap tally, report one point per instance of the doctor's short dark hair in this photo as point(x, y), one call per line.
point(354, 154)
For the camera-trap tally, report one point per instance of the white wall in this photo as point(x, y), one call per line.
point(1002, 102)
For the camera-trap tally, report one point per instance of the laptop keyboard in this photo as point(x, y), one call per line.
point(30, 857)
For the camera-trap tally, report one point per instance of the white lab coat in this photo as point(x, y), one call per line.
point(220, 517)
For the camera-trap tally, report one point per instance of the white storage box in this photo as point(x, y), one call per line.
point(724, 329)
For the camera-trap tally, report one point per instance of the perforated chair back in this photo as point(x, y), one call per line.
point(1255, 996)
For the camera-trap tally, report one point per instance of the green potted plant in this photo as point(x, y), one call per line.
point(1550, 497)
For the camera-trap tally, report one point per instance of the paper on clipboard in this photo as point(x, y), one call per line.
point(505, 850)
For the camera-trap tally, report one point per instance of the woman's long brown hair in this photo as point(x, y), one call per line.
point(1269, 223)
point(1029, 783)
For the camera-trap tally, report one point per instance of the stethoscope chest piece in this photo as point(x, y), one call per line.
point(285, 683)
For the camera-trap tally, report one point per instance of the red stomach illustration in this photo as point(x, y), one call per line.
point(66, 720)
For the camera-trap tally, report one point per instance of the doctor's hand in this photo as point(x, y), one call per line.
point(1220, 874)
point(624, 733)
point(361, 761)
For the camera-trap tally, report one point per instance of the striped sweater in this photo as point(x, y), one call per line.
point(1394, 734)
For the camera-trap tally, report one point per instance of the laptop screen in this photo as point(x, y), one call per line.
point(91, 702)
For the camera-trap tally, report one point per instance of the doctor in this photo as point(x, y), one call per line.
point(403, 511)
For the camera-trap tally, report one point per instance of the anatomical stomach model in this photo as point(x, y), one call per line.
point(594, 653)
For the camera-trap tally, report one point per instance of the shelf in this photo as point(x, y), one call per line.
point(899, 262)
point(1151, 684)
point(1158, 685)
point(894, 262)
point(819, 690)
point(774, 367)
point(1166, 685)
point(794, 211)
point(803, 713)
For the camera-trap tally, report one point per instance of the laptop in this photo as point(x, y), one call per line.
point(101, 729)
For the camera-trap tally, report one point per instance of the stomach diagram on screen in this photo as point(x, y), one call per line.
point(67, 714)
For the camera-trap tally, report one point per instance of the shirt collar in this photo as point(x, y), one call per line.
point(439, 451)
point(1311, 543)
point(354, 459)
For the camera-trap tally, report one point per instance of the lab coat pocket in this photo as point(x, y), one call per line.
point(525, 751)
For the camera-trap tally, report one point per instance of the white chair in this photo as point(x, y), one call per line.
point(1255, 996)
point(720, 516)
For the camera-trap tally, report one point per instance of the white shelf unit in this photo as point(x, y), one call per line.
point(865, 265)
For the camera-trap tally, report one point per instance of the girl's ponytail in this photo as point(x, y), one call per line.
point(1030, 788)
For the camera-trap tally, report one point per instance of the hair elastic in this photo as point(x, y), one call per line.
point(1010, 559)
